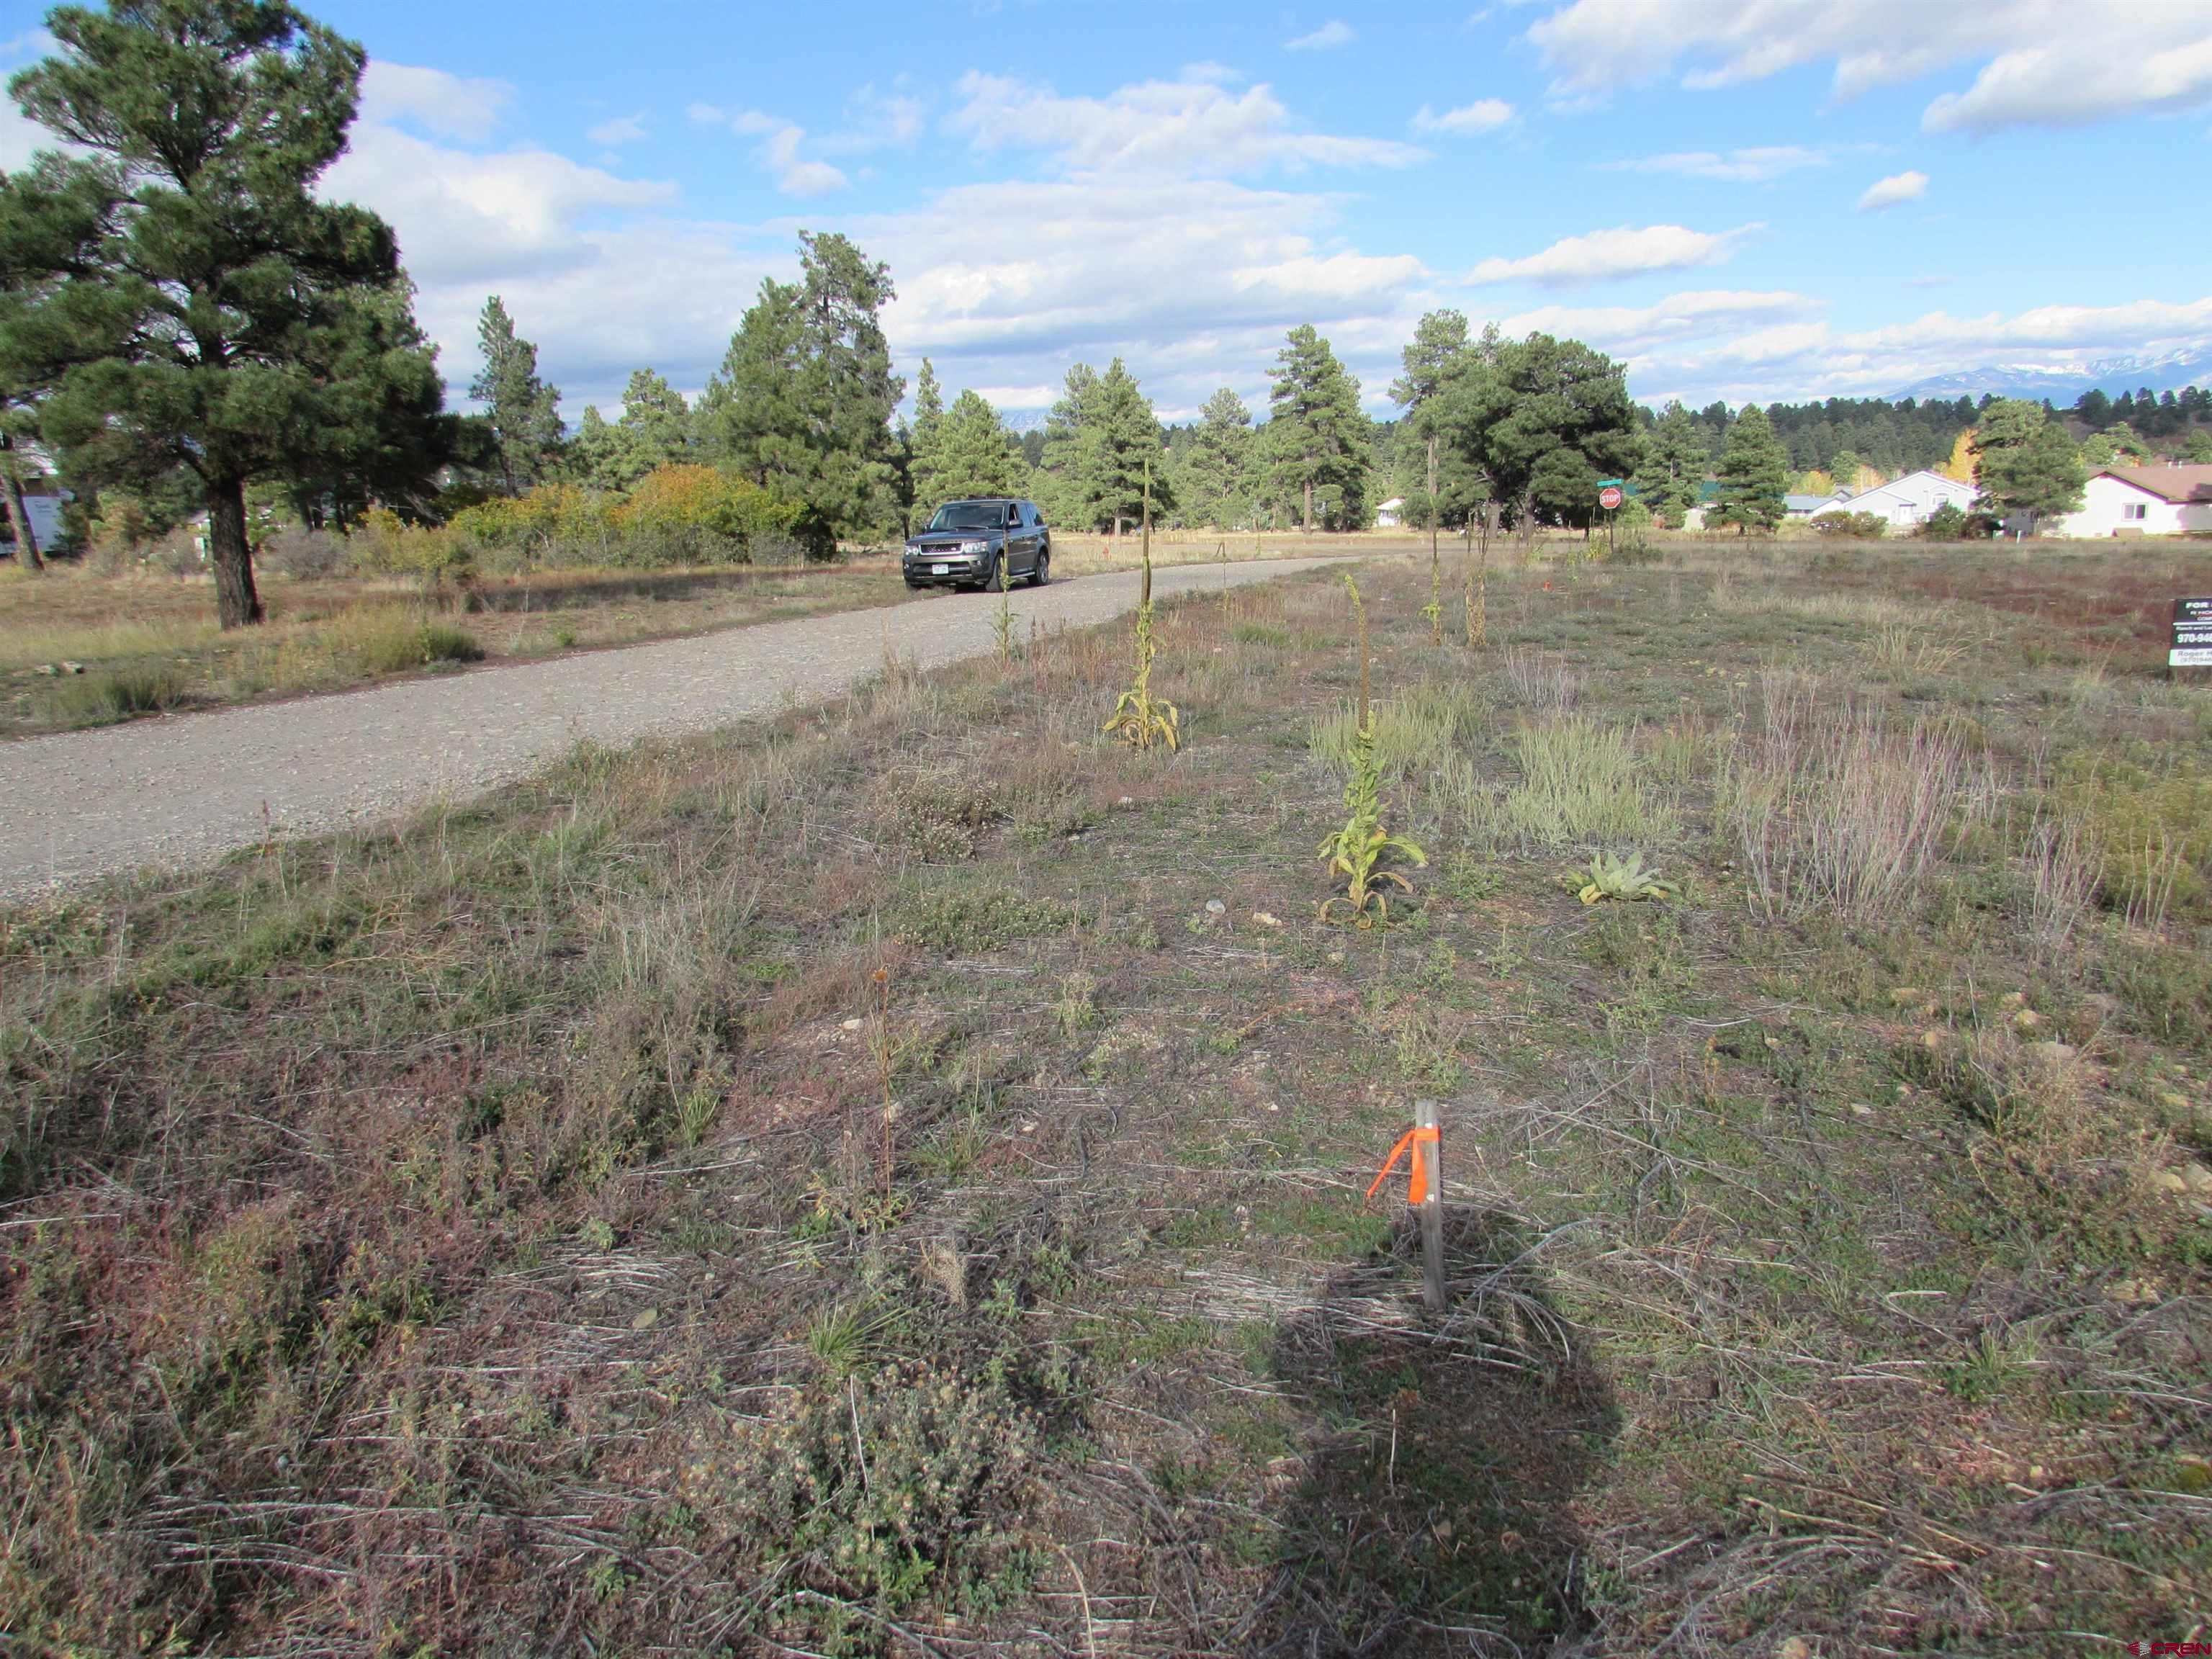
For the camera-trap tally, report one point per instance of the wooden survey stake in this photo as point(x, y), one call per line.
point(1424, 1191)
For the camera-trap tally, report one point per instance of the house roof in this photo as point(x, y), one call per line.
point(2168, 483)
point(1396, 501)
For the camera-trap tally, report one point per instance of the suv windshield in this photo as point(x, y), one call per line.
point(969, 515)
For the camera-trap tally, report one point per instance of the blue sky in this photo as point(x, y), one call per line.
point(1747, 199)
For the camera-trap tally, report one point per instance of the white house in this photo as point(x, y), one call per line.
point(2141, 500)
point(1391, 514)
point(1912, 499)
point(1804, 506)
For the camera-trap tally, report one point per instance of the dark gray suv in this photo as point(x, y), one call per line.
point(980, 541)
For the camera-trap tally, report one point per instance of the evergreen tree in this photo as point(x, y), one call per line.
point(1506, 412)
point(804, 404)
point(1119, 437)
point(976, 454)
point(1754, 475)
point(925, 444)
point(656, 421)
point(1438, 340)
point(1317, 439)
point(1845, 468)
point(1670, 480)
point(600, 456)
point(55, 216)
point(1217, 467)
point(270, 335)
point(1062, 485)
point(2026, 465)
point(524, 411)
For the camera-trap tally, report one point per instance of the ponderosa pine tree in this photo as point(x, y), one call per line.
point(1060, 484)
point(270, 334)
point(55, 218)
point(805, 399)
point(1217, 473)
point(1119, 449)
point(524, 412)
point(976, 454)
point(2026, 463)
point(1754, 475)
point(1538, 419)
point(1673, 473)
point(1317, 438)
point(926, 443)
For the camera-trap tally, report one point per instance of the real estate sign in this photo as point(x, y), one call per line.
point(2192, 635)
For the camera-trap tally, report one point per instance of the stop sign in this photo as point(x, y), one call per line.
point(1609, 497)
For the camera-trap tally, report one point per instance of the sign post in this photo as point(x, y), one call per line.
point(2192, 635)
point(1610, 498)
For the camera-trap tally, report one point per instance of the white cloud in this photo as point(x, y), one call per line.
point(2043, 62)
point(21, 137)
point(1807, 360)
point(1888, 192)
point(1330, 35)
point(1736, 166)
point(875, 119)
point(1605, 255)
point(1165, 128)
point(1698, 315)
point(1483, 115)
point(620, 130)
point(447, 105)
point(779, 153)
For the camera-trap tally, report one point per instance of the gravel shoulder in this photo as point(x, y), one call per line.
point(187, 789)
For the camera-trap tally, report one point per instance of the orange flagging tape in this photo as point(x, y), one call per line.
point(1413, 1140)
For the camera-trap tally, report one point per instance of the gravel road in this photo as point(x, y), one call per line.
point(187, 789)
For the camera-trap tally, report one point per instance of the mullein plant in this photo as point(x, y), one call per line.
point(1140, 719)
point(1355, 853)
point(1434, 610)
point(1478, 585)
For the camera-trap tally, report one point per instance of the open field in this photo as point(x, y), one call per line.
point(890, 1180)
point(148, 642)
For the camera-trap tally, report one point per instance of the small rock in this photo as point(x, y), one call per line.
point(851, 1025)
point(2014, 999)
point(1127, 800)
point(1336, 956)
point(1265, 920)
point(2053, 1054)
point(647, 1318)
point(1859, 1108)
point(1794, 1647)
point(1216, 908)
point(2197, 1177)
point(2169, 1181)
point(2027, 1019)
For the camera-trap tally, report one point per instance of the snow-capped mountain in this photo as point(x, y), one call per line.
point(2062, 383)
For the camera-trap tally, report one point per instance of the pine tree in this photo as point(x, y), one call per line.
point(271, 335)
point(926, 444)
point(1318, 440)
point(1062, 485)
point(1670, 480)
point(804, 404)
point(1754, 475)
point(524, 411)
point(1119, 449)
point(1217, 470)
point(1439, 339)
point(598, 456)
point(54, 217)
point(2027, 465)
point(976, 454)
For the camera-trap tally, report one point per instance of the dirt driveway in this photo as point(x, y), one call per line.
point(188, 788)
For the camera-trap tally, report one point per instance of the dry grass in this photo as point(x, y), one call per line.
point(481, 1235)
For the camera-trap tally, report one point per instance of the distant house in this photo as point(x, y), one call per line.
point(1804, 506)
point(1909, 500)
point(1391, 514)
point(2141, 500)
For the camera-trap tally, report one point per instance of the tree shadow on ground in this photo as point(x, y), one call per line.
point(1436, 1515)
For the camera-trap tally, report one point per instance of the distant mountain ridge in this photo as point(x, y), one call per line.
point(2062, 383)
